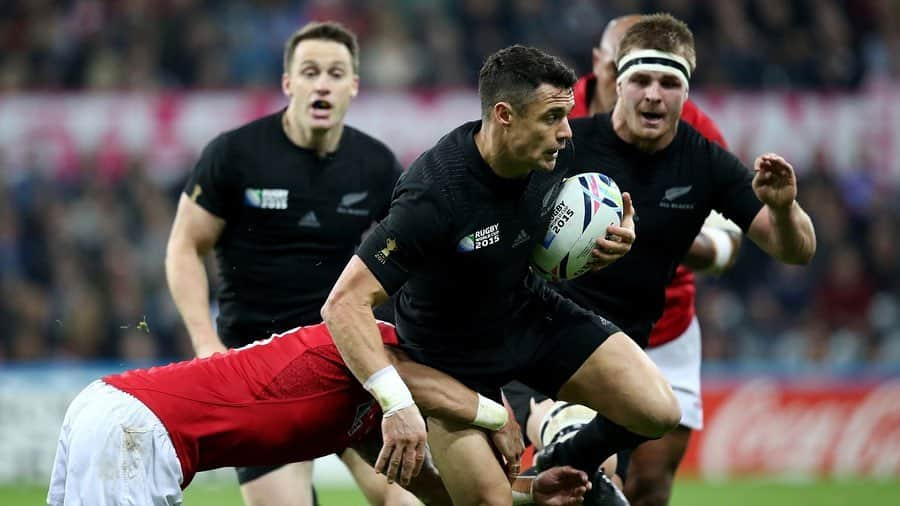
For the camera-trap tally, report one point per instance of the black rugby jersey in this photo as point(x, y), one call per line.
point(292, 220)
point(460, 238)
point(673, 191)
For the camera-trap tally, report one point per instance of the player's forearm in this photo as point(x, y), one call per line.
point(189, 286)
point(441, 396)
point(356, 335)
point(794, 238)
point(438, 394)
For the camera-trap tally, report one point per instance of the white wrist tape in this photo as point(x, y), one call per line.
point(521, 498)
point(717, 220)
point(389, 390)
point(491, 415)
point(722, 245)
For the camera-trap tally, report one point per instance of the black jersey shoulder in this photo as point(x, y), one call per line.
point(374, 153)
point(364, 142)
point(446, 169)
point(255, 134)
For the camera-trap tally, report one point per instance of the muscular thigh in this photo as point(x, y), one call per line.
point(567, 336)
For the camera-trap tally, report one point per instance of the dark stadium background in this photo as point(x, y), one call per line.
point(105, 104)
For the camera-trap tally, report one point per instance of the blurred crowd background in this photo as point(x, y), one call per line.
point(151, 44)
point(81, 250)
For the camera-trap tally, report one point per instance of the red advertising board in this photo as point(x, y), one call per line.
point(814, 428)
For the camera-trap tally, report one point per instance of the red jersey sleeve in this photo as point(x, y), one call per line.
point(692, 115)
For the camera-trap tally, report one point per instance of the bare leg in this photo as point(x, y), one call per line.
point(621, 383)
point(653, 466)
point(467, 464)
point(289, 485)
point(373, 485)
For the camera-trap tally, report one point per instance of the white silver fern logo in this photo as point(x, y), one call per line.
point(353, 198)
point(676, 192)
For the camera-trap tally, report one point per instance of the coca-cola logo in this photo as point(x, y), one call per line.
point(765, 427)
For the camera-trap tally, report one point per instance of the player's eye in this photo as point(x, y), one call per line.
point(671, 83)
point(640, 79)
point(337, 74)
point(309, 72)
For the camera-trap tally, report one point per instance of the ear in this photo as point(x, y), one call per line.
point(595, 60)
point(503, 113)
point(286, 84)
point(354, 89)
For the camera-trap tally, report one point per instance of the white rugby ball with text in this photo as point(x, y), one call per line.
point(587, 204)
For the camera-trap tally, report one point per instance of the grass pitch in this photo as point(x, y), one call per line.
point(687, 493)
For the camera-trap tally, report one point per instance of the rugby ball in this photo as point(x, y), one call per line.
point(586, 205)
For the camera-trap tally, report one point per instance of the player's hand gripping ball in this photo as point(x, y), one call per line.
point(587, 204)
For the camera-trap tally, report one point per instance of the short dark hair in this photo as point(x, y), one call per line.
point(662, 32)
point(513, 73)
point(325, 30)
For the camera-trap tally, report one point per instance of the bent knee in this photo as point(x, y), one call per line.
point(669, 415)
point(661, 415)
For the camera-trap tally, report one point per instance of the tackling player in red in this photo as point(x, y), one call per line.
point(141, 435)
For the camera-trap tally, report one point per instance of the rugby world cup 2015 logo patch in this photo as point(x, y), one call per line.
point(266, 198)
point(480, 239)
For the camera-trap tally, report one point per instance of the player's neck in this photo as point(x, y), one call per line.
point(620, 126)
point(318, 140)
point(495, 156)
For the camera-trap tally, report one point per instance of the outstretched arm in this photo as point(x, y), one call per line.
point(348, 315)
point(781, 228)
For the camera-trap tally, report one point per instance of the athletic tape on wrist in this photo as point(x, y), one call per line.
point(722, 245)
point(521, 498)
point(490, 415)
point(389, 390)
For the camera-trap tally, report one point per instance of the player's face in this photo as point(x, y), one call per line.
point(652, 103)
point(320, 84)
point(537, 133)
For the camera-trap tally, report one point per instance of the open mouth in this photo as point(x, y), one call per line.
point(321, 105)
point(652, 116)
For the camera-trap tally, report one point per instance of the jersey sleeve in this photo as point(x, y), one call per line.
point(416, 227)
point(733, 193)
point(210, 185)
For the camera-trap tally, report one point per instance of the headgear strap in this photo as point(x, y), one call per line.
point(653, 60)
